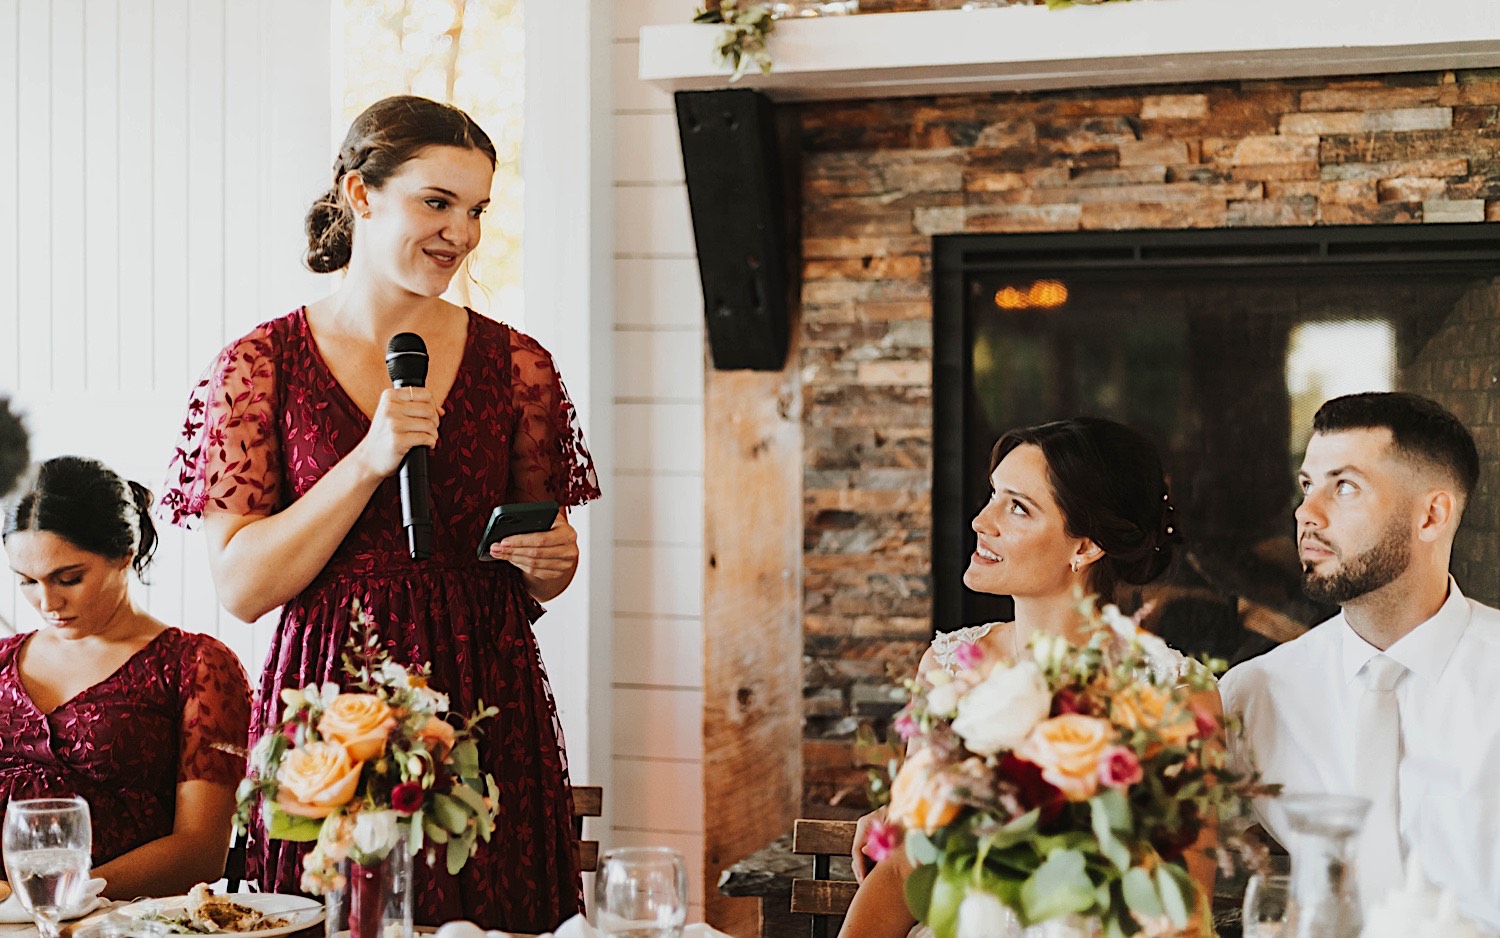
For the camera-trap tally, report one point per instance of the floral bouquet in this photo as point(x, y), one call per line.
point(362, 769)
point(1067, 785)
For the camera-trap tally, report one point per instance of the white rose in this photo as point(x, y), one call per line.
point(981, 915)
point(374, 834)
point(999, 713)
point(942, 701)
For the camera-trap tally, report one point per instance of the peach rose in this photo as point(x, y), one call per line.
point(1068, 749)
point(359, 722)
point(438, 735)
point(922, 795)
point(316, 779)
point(1143, 707)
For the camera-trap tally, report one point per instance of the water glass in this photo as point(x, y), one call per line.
point(641, 892)
point(1266, 897)
point(47, 843)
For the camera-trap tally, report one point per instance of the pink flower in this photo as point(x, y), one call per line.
point(1208, 724)
point(407, 797)
point(884, 838)
point(968, 655)
point(1119, 767)
point(905, 726)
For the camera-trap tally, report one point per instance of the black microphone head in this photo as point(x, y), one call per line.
point(406, 360)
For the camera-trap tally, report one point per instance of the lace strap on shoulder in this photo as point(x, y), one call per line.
point(945, 644)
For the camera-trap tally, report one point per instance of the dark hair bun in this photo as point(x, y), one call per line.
point(330, 234)
point(87, 503)
point(1108, 481)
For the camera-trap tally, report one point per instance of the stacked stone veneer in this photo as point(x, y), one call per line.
point(881, 178)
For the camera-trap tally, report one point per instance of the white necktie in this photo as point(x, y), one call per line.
point(1377, 758)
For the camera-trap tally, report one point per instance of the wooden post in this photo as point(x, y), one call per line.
point(752, 623)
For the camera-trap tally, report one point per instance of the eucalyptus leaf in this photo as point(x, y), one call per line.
point(458, 855)
point(947, 894)
point(1140, 894)
point(919, 890)
point(283, 826)
point(1116, 806)
point(414, 834)
point(449, 813)
point(920, 849)
point(1104, 831)
point(1060, 886)
point(1174, 901)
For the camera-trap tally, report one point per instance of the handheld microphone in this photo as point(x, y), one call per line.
point(406, 363)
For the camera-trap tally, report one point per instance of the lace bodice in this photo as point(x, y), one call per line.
point(945, 644)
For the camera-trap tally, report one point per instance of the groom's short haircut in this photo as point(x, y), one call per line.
point(1422, 431)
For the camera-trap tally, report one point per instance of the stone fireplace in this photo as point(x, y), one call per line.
point(881, 179)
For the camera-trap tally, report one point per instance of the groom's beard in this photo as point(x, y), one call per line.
point(1364, 573)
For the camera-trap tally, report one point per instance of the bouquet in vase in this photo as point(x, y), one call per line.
point(1065, 787)
point(369, 766)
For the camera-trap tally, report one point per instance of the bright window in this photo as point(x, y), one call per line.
point(468, 53)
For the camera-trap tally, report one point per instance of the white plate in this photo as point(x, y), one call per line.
point(300, 911)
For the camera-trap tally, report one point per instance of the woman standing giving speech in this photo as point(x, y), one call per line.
point(290, 455)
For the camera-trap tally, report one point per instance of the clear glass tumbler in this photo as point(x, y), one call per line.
point(641, 892)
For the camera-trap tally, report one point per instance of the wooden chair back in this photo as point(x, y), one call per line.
point(588, 801)
point(822, 897)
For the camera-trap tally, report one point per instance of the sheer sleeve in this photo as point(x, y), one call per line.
point(548, 457)
point(227, 457)
point(215, 714)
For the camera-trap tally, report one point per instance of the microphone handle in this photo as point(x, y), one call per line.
point(415, 515)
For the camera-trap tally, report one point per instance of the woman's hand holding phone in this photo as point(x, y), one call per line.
point(547, 559)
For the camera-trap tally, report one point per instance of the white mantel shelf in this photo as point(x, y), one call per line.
point(1149, 42)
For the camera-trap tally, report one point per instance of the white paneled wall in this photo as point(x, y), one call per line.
point(658, 471)
point(156, 159)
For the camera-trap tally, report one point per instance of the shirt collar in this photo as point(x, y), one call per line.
point(1424, 650)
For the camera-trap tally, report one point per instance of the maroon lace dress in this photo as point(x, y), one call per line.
point(183, 693)
point(263, 427)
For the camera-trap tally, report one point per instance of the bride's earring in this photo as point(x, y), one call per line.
point(1075, 565)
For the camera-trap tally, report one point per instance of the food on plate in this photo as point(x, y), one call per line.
point(4, 891)
point(207, 914)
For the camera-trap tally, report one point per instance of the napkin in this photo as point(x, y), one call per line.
point(1418, 910)
point(575, 927)
point(12, 912)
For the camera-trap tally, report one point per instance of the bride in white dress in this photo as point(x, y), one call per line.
point(1075, 504)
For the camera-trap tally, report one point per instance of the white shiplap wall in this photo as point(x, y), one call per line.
point(156, 157)
point(658, 472)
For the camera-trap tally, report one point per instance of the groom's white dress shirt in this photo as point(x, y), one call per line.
point(1299, 704)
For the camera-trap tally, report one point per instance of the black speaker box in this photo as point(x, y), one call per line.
point(732, 160)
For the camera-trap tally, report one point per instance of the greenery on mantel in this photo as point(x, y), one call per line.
point(747, 25)
point(743, 39)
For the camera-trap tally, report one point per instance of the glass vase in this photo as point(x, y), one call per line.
point(375, 897)
point(1325, 894)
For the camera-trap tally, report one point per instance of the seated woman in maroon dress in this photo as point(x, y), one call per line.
point(146, 722)
point(292, 446)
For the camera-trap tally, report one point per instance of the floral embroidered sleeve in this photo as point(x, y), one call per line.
point(548, 457)
point(227, 457)
point(215, 714)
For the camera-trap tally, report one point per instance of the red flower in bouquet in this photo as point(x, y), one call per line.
point(1032, 790)
point(407, 797)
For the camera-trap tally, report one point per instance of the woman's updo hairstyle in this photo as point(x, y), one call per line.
point(1108, 481)
point(388, 133)
point(87, 504)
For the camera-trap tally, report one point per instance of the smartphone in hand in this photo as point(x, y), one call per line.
point(518, 518)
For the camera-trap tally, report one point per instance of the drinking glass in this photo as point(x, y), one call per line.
point(641, 892)
point(47, 843)
point(1325, 890)
point(1266, 897)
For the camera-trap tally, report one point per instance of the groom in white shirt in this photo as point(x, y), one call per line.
point(1396, 698)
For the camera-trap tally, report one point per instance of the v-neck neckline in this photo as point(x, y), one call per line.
point(15, 673)
point(305, 328)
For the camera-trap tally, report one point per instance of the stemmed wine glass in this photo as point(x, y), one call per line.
point(641, 892)
point(47, 843)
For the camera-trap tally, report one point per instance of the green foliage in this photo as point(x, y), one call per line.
point(742, 42)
